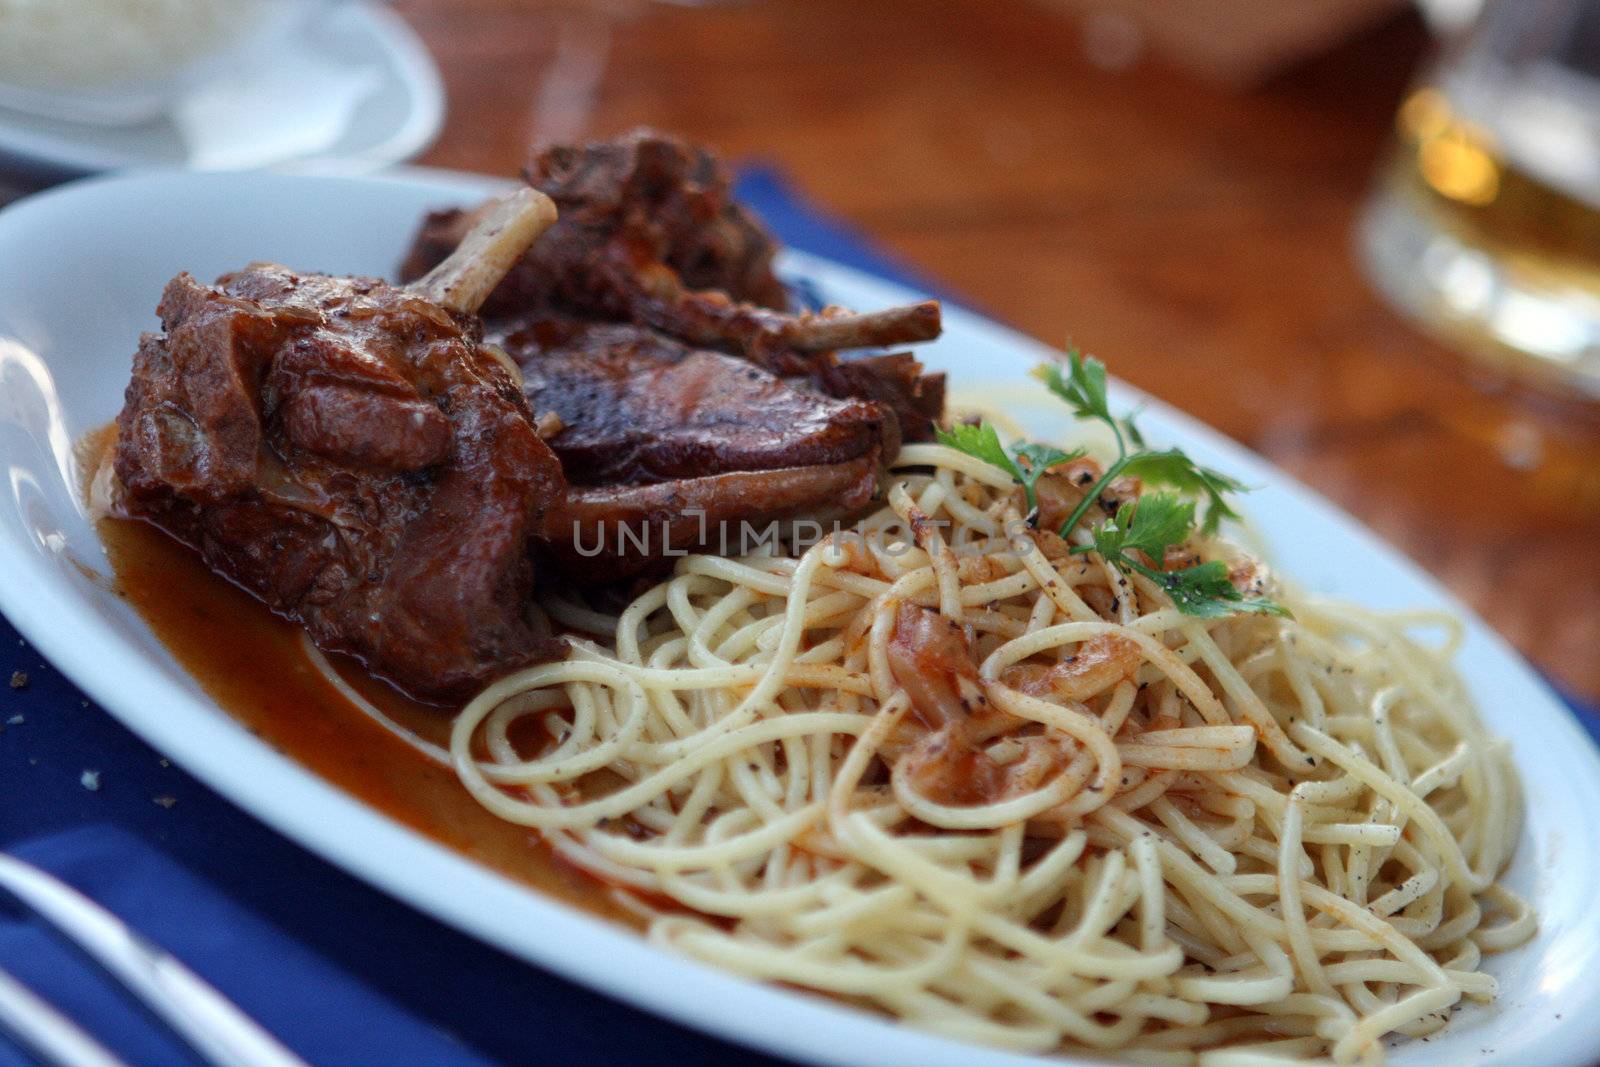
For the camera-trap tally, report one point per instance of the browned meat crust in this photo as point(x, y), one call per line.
point(642, 198)
point(346, 451)
point(670, 447)
point(896, 380)
point(638, 407)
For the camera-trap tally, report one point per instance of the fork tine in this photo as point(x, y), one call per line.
point(203, 1017)
point(44, 1031)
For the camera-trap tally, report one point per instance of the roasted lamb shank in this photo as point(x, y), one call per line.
point(352, 454)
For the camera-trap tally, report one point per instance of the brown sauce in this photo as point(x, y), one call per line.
point(252, 664)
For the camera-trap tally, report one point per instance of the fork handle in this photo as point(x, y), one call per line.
point(44, 1031)
point(199, 1014)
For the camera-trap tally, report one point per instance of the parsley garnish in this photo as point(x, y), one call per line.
point(1083, 387)
point(1154, 523)
point(1137, 537)
point(1151, 524)
point(1026, 463)
point(1172, 468)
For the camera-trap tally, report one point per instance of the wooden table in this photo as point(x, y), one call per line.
point(1198, 240)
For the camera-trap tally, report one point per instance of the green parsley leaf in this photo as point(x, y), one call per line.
point(1174, 469)
point(979, 442)
point(1128, 426)
point(1151, 524)
point(1205, 592)
point(1041, 458)
point(1083, 386)
point(982, 442)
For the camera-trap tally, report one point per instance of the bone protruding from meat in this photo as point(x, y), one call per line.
point(500, 234)
point(612, 532)
point(658, 297)
point(903, 325)
point(710, 319)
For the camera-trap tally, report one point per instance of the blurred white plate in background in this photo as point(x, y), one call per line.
point(351, 87)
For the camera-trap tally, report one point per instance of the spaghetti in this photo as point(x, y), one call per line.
point(1237, 840)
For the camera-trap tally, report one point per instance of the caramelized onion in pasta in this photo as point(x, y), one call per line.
point(1006, 793)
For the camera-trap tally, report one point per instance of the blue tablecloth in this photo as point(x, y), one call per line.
point(344, 975)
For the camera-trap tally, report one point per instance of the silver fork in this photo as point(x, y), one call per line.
point(45, 1031)
point(208, 1021)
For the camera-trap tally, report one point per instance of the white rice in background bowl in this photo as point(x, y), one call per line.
point(117, 61)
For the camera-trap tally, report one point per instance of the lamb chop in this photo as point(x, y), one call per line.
point(669, 443)
point(649, 234)
point(349, 452)
point(673, 200)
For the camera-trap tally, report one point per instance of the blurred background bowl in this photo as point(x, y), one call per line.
point(119, 62)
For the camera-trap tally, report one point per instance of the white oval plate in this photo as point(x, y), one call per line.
point(82, 267)
point(351, 86)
